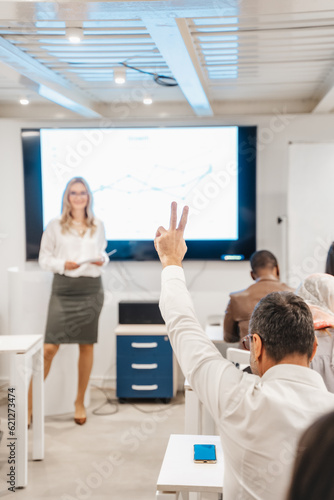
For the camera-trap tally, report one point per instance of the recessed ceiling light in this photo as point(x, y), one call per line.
point(147, 101)
point(74, 35)
point(120, 75)
point(24, 101)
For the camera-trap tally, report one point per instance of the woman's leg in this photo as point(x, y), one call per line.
point(86, 352)
point(49, 353)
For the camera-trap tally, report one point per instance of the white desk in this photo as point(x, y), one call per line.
point(197, 419)
point(179, 473)
point(29, 290)
point(25, 347)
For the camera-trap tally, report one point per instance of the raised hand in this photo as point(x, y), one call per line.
point(170, 243)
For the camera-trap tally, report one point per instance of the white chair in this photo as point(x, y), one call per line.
point(214, 327)
point(239, 357)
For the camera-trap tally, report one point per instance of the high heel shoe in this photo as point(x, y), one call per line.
point(80, 420)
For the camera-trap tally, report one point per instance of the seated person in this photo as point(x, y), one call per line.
point(318, 292)
point(259, 417)
point(312, 477)
point(329, 269)
point(265, 273)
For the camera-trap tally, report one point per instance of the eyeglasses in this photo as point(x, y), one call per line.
point(247, 340)
point(81, 194)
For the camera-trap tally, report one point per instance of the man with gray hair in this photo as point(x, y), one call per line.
point(259, 416)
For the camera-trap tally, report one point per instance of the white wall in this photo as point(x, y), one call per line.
point(311, 177)
point(140, 280)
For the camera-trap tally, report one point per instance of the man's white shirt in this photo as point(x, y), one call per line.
point(259, 419)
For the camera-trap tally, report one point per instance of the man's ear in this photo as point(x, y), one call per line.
point(258, 345)
point(253, 276)
point(277, 271)
point(314, 350)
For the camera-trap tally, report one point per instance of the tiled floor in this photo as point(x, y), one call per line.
point(115, 457)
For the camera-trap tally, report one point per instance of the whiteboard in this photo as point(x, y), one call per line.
point(310, 209)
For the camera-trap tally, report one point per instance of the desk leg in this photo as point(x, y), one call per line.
point(38, 404)
point(193, 413)
point(208, 425)
point(166, 495)
point(21, 389)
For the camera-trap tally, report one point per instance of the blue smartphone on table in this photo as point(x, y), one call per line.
point(205, 454)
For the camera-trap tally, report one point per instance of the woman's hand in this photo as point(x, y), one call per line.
point(98, 262)
point(69, 265)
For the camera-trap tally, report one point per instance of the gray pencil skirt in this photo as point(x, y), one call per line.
point(74, 310)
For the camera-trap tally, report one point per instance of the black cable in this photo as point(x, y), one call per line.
point(163, 80)
point(166, 81)
point(121, 271)
point(105, 403)
point(192, 281)
point(161, 409)
point(113, 402)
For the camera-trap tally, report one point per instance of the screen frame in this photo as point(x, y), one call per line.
point(143, 250)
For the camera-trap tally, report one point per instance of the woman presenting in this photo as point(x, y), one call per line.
point(77, 295)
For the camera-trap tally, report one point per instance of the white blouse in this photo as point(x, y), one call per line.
point(57, 248)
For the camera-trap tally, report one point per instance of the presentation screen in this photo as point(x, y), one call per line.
point(135, 174)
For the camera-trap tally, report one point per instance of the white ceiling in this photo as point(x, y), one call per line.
point(237, 55)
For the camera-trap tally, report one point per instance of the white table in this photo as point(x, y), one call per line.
point(24, 347)
point(179, 473)
point(197, 419)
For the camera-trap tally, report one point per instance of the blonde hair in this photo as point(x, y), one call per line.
point(66, 216)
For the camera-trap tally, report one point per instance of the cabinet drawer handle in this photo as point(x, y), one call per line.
point(151, 366)
point(153, 387)
point(141, 345)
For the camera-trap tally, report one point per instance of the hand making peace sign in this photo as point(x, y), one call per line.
point(170, 243)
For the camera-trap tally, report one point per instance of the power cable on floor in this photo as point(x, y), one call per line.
point(115, 402)
point(109, 401)
point(166, 407)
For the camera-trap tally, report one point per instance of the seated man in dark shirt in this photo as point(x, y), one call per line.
point(265, 273)
point(330, 260)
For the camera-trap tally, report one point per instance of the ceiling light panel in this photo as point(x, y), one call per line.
point(240, 57)
point(104, 45)
point(279, 51)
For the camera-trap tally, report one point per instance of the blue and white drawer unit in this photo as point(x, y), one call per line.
point(146, 367)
